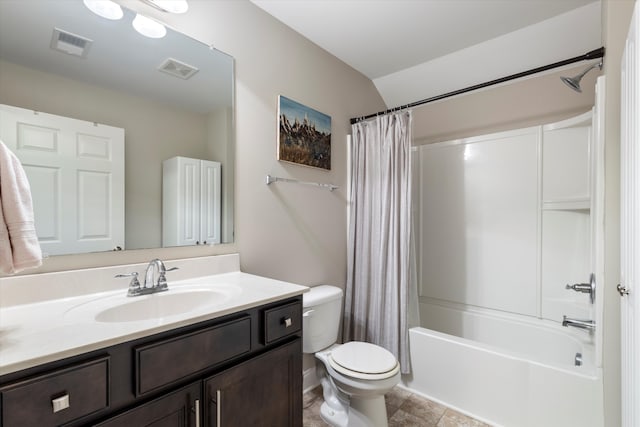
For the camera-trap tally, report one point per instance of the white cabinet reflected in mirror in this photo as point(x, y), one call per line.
point(190, 202)
point(122, 82)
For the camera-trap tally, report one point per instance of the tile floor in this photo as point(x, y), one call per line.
point(404, 409)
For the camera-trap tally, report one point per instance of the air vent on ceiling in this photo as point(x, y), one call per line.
point(177, 68)
point(70, 43)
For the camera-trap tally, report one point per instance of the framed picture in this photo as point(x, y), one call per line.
point(304, 135)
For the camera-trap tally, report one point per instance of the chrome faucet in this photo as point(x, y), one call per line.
point(582, 324)
point(151, 284)
point(150, 281)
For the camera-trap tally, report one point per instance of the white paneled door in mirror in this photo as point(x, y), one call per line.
point(76, 173)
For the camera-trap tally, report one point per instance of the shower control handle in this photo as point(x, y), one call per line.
point(580, 287)
point(586, 288)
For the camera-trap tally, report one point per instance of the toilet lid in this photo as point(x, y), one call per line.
point(364, 358)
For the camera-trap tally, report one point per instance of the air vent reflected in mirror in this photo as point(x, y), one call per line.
point(177, 68)
point(70, 43)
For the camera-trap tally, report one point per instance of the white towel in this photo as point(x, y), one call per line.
point(19, 247)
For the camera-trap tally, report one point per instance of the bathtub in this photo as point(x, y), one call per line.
point(504, 370)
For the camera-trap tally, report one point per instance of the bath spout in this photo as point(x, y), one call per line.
point(582, 324)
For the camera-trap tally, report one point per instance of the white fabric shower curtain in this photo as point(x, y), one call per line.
point(379, 243)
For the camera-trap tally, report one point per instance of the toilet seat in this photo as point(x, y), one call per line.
point(363, 361)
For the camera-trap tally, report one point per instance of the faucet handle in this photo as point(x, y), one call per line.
point(586, 288)
point(134, 285)
point(162, 280)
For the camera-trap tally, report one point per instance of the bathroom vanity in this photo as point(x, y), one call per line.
point(238, 362)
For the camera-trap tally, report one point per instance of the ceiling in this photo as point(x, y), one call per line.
point(397, 43)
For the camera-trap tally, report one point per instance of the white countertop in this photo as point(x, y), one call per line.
point(45, 331)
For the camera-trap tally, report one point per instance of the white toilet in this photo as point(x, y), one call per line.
point(356, 375)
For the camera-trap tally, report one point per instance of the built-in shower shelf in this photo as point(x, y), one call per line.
point(567, 205)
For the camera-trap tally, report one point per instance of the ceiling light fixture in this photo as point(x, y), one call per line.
point(148, 27)
point(171, 6)
point(105, 8)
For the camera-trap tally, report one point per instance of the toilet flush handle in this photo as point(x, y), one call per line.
point(307, 313)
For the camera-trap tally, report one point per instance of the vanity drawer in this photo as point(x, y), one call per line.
point(169, 360)
point(282, 321)
point(59, 397)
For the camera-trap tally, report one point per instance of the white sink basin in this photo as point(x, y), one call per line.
point(174, 302)
point(159, 305)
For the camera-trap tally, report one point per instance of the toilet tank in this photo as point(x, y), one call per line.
point(321, 309)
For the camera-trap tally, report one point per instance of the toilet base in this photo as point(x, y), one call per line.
point(342, 410)
point(333, 417)
point(360, 413)
point(368, 412)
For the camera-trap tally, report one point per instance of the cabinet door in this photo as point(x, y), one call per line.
point(189, 202)
point(191, 198)
point(264, 391)
point(209, 202)
point(178, 409)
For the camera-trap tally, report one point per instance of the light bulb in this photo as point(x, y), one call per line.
point(148, 27)
point(105, 8)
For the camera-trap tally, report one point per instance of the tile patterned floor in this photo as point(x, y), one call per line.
point(404, 409)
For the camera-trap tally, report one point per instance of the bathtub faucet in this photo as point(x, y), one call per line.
point(583, 324)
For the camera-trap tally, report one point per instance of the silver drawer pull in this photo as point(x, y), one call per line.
point(196, 409)
point(218, 408)
point(60, 403)
point(287, 322)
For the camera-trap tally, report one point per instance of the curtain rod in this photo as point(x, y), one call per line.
point(594, 54)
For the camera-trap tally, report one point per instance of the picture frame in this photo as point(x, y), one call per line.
point(304, 135)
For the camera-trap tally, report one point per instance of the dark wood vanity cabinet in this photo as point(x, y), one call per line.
point(180, 408)
point(264, 391)
point(244, 369)
point(57, 397)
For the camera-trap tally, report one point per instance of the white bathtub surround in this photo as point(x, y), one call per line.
point(378, 267)
point(59, 322)
point(506, 221)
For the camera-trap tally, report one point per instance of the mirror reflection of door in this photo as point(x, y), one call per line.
point(76, 174)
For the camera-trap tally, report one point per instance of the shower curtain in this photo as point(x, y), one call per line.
point(379, 242)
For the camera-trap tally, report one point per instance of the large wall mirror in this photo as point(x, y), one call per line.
point(169, 97)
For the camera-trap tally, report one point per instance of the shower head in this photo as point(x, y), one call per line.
point(574, 82)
